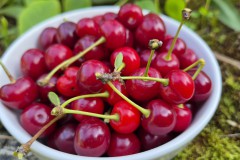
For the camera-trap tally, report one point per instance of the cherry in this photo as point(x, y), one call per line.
point(113, 96)
point(93, 105)
point(129, 38)
point(33, 63)
point(144, 56)
point(152, 27)
point(66, 34)
point(130, 15)
point(86, 77)
point(163, 65)
point(123, 144)
point(129, 118)
point(98, 19)
point(47, 38)
point(188, 58)
point(109, 16)
point(64, 138)
point(92, 138)
point(142, 90)
point(67, 83)
point(149, 141)
point(162, 118)
point(19, 94)
point(56, 54)
point(184, 117)
point(34, 117)
point(131, 59)
point(180, 89)
point(87, 26)
point(203, 86)
point(83, 43)
point(115, 34)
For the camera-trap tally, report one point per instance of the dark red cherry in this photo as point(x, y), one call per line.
point(130, 15)
point(92, 138)
point(123, 144)
point(152, 27)
point(109, 16)
point(164, 66)
point(66, 34)
point(83, 43)
point(179, 47)
point(188, 58)
point(64, 138)
point(130, 58)
point(56, 54)
point(113, 96)
point(115, 34)
point(149, 141)
point(67, 83)
point(184, 117)
point(203, 86)
point(129, 118)
point(93, 105)
point(86, 76)
point(144, 56)
point(34, 117)
point(47, 38)
point(129, 38)
point(33, 63)
point(87, 26)
point(98, 19)
point(20, 94)
point(161, 120)
point(180, 88)
point(141, 90)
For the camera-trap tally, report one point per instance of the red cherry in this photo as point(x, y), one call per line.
point(109, 16)
point(92, 138)
point(129, 38)
point(129, 118)
point(188, 58)
point(67, 83)
point(87, 26)
point(93, 105)
point(56, 54)
point(130, 15)
point(115, 34)
point(34, 117)
point(144, 56)
point(98, 19)
point(20, 94)
point(47, 38)
point(130, 58)
point(161, 120)
point(123, 144)
point(152, 27)
point(184, 118)
point(33, 63)
point(203, 86)
point(180, 88)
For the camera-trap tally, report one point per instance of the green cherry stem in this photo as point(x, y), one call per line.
point(71, 60)
point(201, 63)
point(10, 77)
point(161, 80)
point(185, 16)
point(145, 112)
point(180, 106)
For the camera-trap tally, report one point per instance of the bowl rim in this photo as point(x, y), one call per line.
point(178, 142)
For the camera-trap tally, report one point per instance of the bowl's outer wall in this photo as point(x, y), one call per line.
point(29, 40)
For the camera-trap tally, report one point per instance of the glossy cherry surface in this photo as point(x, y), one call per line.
point(47, 38)
point(129, 38)
point(144, 56)
point(87, 26)
point(188, 58)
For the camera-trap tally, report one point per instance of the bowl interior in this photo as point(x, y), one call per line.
point(29, 40)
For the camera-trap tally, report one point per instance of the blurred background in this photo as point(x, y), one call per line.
point(216, 21)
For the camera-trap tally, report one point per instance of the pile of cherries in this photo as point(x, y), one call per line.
point(101, 67)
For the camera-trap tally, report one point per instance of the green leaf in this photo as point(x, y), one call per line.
point(75, 4)
point(229, 15)
point(118, 61)
point(148, 4)
point(36, 12)
point(103, 2)
point(12, 11)
point(53, 97)
point(174, 8)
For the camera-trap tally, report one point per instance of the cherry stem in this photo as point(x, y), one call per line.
point(145, 112)
point(121, 67)
point(161, 80)
point(25, 148)
point(201, 63)
point(149, 63)
point(180, 106)
point(71, 60)
point(10, 77)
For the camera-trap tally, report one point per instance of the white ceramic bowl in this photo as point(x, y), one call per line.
point(28, 40)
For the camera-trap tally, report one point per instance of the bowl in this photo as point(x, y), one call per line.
point(166, 151)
